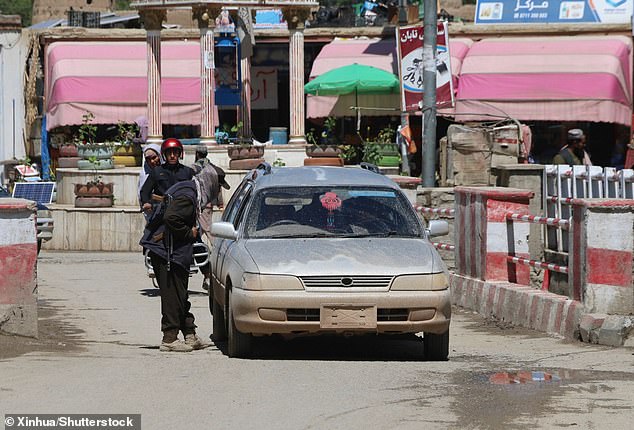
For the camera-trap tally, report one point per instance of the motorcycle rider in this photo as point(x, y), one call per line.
point(164, 176)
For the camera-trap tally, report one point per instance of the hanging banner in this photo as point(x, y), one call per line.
point(410, 61)
point(553, 11)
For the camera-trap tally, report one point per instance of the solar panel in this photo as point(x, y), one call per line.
point(40, 192)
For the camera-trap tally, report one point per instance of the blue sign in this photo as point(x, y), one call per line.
point(553, 11)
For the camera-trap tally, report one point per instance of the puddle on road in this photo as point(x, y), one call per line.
point(510, 399)
point(523, 377)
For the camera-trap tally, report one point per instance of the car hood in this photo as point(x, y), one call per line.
point(367, 256)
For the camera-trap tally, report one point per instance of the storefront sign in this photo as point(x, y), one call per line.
point(264, 88)
point(410, 56)
point(553, 11)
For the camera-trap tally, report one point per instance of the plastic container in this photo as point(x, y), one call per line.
point(278, 135)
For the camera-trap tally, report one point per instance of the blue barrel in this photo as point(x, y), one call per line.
point(278, 135)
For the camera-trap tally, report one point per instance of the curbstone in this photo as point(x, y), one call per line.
point(614, 330)
point(589, 327)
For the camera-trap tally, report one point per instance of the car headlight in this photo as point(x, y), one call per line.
point(430, 282)
point(257, 282)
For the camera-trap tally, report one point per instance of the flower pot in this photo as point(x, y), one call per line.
point(323, 151)
point(101, 152)
point(245, 152)
point(94, 189)
point(104, 164)
point(133, 150)
point(68, 150)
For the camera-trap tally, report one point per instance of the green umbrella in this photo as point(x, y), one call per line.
point(353, 79)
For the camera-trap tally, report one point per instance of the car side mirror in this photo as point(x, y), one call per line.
point(224, 230)
point(437, 227)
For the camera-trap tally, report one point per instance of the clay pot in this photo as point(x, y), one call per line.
point(68, 151)
point(323, 151)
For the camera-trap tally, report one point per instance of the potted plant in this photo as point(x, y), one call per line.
point(382, 151)
point(87, 147)
point(94, 193)
point(327, 146)
point(127, 152)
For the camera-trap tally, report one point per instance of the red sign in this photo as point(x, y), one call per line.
point(410, 56)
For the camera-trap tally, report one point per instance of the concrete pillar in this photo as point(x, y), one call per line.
point(153, 21)
point(206, 18)
point(527, 177)
point(483, 236)
point(245, 109)
point(295, 19)
point(600, 262)
point(18, 262)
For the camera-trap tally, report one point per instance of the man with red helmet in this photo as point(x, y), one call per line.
point(167, 174)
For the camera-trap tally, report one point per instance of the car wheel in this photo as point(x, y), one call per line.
point(218, 317)
point(436, 346)
point(239, 344)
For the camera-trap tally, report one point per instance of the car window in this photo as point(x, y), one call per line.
point(338, 212)
point(236, 203)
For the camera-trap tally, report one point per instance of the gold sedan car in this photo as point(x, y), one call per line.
point(325, 250)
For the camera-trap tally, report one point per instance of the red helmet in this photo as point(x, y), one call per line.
point(172, 143)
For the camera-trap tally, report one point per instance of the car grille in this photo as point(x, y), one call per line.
point(397, 314)
point(347, 281)
point(302, 314)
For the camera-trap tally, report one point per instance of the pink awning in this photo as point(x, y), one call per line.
point(580, 78)
point(380, 53)
point(110, 80)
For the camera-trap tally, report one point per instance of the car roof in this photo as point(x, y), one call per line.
point(322, 175)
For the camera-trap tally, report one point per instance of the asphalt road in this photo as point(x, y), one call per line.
point(98, 353)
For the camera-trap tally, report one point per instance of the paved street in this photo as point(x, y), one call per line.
point(98, 353)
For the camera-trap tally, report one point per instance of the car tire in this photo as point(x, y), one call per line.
point(239, 344)
point(218, 318)
point(436, 346)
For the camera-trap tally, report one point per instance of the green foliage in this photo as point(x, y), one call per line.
point(386, 135)
point(95, 162)
point(279, 162)
point(24, 8)
point(349, 152)
point(371, 153)
point(310, 137)
point(126, 132)
point(87, 131)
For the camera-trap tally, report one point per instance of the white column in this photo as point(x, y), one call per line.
point(245, 97)
point(296, 75)
point(206, 23)
point(152, 20)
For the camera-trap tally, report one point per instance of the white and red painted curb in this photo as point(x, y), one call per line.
point(519, 305)
point(18, 259)
point(601, 267)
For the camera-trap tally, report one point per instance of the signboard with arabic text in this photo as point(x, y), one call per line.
point(553, 11)
point(409, 42)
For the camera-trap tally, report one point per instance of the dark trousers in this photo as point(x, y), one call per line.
point(175, 303)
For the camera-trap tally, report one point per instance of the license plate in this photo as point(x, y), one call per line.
point(347, 317)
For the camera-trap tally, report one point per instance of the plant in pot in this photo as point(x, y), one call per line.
point(127, 152)
point(327, 146)
point(383, 150)
point(87, 147)
point(243, 155)
point(94, 193)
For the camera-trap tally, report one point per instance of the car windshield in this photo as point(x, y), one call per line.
point(331, 212)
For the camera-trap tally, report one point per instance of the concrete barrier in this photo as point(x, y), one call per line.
point(18, 260)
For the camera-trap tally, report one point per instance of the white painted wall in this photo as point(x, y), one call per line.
point(12, 66)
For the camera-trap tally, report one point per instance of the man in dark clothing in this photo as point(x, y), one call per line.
point(207, 212)
point(164, 176)
point(574, 152)
point(170, 245)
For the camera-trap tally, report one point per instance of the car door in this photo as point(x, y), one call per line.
point(221, 248)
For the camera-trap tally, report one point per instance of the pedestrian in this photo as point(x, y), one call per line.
point(170, 245)
point(151, 159)
point(164, 176)
point(206, 215)
point(573, 153)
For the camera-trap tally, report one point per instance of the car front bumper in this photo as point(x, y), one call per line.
point(301, 312)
